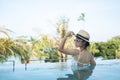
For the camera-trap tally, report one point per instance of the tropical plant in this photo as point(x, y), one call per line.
point(5, 48)
point(5, 31)
point(47, 48)
point(5, 44)
point(94, 49)
point(62, 27)
point(22, 49)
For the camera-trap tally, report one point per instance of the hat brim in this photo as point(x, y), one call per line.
point(81, 37)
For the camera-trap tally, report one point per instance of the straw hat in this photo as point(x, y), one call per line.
point(84, 35)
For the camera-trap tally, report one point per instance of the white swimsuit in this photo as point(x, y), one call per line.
point(75, 65)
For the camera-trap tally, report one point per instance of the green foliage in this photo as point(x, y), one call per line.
point(52, 53)
point(5, 31)
point(94, 49)
point(45, 47)
point(5, 48)
point(115, 45)
point(108, 50)
point(81, 17)
point(22, 49)
point(62, 27)
point(2, 58)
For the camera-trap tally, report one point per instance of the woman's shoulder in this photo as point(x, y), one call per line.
point(88, 52)
point(85, 52)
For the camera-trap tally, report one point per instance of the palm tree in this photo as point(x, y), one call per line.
point(23, 48)
point(62, 27)
point(16, 48)
point(6, 48)
point(5, 44)
point(37, 49)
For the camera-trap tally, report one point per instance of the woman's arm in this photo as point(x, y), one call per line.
point(62, 43)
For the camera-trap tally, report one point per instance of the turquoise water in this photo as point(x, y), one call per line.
point(104, 70)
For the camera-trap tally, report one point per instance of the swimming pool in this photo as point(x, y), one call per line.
point(104, 70)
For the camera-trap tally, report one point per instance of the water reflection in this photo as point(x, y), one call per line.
point(80, 74)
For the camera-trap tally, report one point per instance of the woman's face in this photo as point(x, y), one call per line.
point(78, 42)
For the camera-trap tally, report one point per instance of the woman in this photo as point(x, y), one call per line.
point(81, 56)
point(83, 59)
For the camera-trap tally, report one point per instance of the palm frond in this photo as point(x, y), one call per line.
point(5, 31)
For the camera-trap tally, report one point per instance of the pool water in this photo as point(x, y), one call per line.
point(104, 70)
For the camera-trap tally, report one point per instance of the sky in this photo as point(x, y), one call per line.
point(36, 17)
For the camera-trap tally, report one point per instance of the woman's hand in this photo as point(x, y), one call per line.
point(69, 34)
